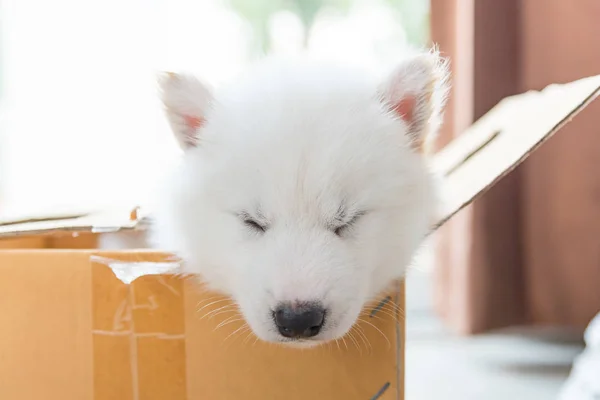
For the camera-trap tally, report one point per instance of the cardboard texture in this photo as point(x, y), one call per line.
point(78, 323)
point(500, 140)
point(78, 332)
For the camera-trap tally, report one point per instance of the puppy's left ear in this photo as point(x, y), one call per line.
point(416, 92)
point(186, 101)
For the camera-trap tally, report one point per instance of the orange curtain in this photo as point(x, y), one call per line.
point(527, 252)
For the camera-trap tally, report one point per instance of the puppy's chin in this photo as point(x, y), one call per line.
point(301, 344)
point(291, 343)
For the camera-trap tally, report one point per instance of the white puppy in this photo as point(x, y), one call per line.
point(303, 191)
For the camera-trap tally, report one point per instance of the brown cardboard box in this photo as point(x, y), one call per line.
point(78, 323)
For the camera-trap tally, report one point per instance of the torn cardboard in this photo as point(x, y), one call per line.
point(83, 324)
point(72, 330)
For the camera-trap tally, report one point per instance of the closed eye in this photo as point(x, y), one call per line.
point(252, 223)
point(344, 227)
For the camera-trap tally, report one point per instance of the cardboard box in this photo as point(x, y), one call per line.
point(80, 323)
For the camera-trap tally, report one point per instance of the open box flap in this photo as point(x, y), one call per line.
point(505, 136)
point(93, 222)
point(469, 165)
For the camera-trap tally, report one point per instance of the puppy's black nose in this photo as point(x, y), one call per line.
point(302, 320)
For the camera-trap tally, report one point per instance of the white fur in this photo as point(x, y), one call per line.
point(290, 142)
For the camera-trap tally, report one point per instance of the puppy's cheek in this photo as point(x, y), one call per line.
point(260, 323)
point(344, 322)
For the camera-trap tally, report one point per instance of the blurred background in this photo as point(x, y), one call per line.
point(78, 95)
point(496, 304)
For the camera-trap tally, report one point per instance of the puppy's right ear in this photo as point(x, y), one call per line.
point(186, 102)
point(416, 93)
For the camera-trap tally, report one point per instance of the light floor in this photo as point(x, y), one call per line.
point(514, 364)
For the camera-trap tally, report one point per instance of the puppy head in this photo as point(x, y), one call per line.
point(303, 190)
